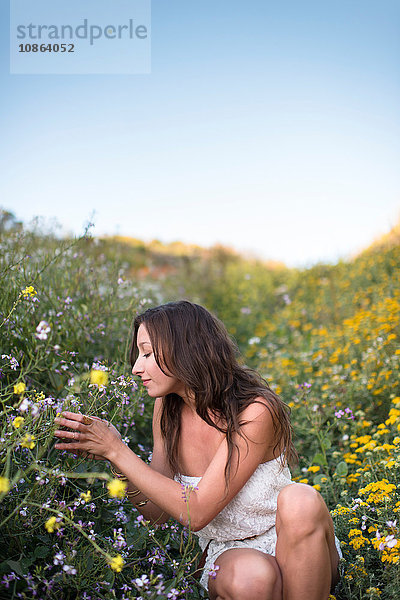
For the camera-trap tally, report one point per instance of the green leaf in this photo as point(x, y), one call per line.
point(26, 563)
point(320, 479)
point(41, 552)
point(326, 443)
point(319, 459)
point(15, 566)
point(342, 469)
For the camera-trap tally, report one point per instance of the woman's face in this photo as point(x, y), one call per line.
point(157, 383)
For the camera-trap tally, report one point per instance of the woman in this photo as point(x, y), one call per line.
point(223, 436)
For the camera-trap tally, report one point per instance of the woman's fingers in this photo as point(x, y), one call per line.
point(69, 435)
point(75, 420)
point(70, 446)
point(71, 424)
point(84, 434)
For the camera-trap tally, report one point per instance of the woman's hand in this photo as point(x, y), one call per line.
point(90, 435)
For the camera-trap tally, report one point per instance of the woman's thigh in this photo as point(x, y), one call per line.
point(244, 574)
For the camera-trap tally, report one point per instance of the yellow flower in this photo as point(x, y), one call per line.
point(116, 563)
point(29, 292)
point(116, 488)
point(86, 496)
point(357, 539)
point(98, 377)
point(52, 524)
point(378, 491)
point(19, 388)
point(4, 485)
point(28, 441)
point(373, 591)
point(18, 422)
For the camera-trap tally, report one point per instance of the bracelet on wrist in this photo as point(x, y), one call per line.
point(142, 503)
point(133, 493)
point(118, 475)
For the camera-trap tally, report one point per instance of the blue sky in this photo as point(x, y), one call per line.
point(272, 127)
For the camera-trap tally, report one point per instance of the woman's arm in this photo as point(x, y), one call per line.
point(211, 496)
point(159, 463)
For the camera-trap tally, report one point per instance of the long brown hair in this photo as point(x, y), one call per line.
point(194, 346)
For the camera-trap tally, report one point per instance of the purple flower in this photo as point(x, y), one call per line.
point(304, 386)
point(348, 413)
point(8, 578)
point(187, 488)
point(212, 572)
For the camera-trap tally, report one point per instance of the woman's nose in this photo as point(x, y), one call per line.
point(137, 367)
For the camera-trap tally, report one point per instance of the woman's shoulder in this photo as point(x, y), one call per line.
point(255, 409)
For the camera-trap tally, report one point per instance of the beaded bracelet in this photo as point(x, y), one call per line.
point(142, 503)
point(119, 475)
point(132, 493)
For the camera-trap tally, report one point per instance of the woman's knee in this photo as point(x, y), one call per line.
point(248, 575)
point(301, 507)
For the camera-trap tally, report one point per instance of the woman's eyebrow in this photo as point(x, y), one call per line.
point(141, 344)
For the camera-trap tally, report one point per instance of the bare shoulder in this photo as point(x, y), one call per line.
point(257, 411)
point(258, 428)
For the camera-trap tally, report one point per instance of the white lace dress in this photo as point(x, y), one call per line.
point(250, 514)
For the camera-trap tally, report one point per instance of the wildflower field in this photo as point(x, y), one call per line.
point(326, 338)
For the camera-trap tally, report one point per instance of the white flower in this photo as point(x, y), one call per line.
point(70, 570)
point(23, 407)
point(391, 541)
point(391, 523)
point(59, 558)
point(42, 330)
point(13, 361)
point(141, 581)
